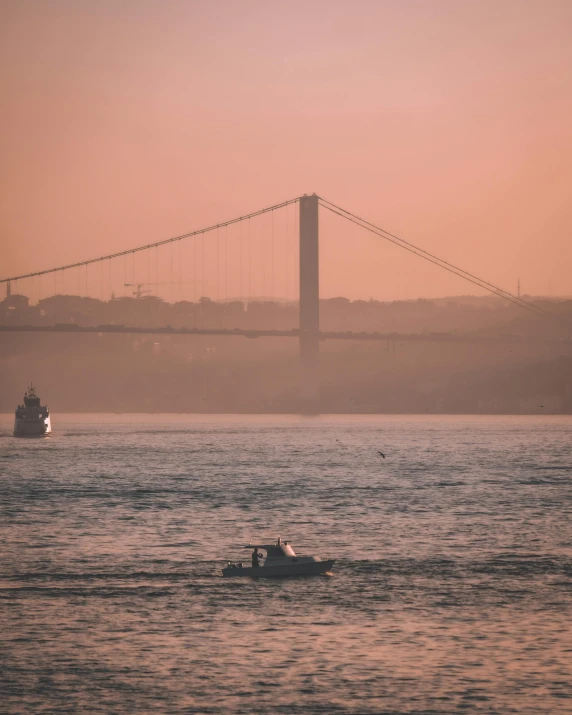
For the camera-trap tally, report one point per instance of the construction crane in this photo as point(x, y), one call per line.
point(138, 292)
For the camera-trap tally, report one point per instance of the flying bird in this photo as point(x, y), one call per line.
point(382, 454)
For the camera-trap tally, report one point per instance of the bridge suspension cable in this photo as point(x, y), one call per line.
point(173, 239)
point(412, 248)
point(353, 218)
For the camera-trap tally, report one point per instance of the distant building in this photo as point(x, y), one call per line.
point(15, 302)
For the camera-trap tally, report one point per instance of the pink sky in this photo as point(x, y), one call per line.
point(446, 122)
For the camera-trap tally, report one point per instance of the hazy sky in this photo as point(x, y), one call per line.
point(448, 122)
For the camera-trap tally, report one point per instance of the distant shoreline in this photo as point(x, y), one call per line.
point(301, 415)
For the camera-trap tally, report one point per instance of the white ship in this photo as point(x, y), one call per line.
point(32, 419)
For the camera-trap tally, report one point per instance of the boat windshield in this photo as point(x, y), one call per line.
point(279, 551)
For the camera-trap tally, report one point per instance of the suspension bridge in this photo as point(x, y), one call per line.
point(303, 269)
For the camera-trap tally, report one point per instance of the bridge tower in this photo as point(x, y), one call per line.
point(309, 302)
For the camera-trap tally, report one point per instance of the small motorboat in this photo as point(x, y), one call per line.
point(280, 560)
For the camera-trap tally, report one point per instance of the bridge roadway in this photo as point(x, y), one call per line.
point(295, 333)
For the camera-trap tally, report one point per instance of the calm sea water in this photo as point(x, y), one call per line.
point(452, 591)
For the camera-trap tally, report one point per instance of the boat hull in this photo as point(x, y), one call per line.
point(313, 568)
point(32, 428)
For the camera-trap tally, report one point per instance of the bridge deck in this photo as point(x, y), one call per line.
point(324, 335)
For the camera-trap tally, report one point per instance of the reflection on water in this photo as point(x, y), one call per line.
point(452, 591)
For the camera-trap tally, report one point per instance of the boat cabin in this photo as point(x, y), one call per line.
point(31, 399)
point(277, 551)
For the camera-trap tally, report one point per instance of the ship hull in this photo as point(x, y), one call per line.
point(32, 428)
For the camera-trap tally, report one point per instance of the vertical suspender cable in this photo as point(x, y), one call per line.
point(203, 292)
point(218, 274)
point(297, 250)
point(195, 239)
point(287, 251)
point(249, 261)
point(225, 308)
point(262, 249)
point(285, 261)
point(240, 262)
point(148, 281)
point(292, 249)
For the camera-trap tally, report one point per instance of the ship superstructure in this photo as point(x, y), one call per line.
point(32, 419)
